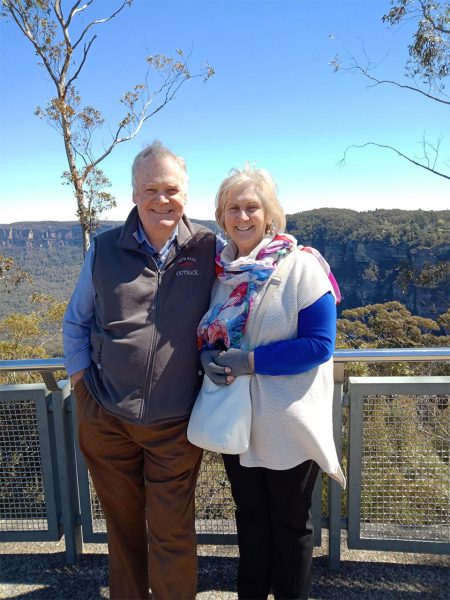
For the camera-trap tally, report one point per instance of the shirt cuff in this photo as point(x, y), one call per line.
point(78, 362)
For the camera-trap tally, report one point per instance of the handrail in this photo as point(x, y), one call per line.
point(339, 356)
point(392, 355)
point(33, 364)
point(44, 366)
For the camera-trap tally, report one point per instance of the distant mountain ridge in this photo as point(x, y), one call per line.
point(51, 234)
point(45, 233)
point(376, 256)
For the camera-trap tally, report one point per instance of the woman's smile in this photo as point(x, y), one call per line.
point(245, 218)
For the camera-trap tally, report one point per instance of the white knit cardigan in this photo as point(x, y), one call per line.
point(291, 414)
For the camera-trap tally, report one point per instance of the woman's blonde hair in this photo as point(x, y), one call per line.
point(265, 189)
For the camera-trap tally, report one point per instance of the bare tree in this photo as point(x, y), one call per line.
point(426, 70)
point(61, 35)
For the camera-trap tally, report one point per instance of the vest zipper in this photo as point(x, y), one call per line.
point(99, 358)
point(153, 344)
point(151, 361)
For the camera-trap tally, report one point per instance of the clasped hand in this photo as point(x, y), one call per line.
point(223, 367)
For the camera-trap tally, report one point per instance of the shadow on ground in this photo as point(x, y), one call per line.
point(46, 576)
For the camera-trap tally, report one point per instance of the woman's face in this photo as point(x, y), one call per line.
point(245, 220)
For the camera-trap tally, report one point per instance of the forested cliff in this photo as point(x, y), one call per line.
point(376, 256)
point(383, 255)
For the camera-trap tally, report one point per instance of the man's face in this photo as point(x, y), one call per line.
point(159, 194)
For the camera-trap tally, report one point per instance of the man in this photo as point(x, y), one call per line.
point(130, 348)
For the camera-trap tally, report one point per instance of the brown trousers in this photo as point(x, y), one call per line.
point(145, 479)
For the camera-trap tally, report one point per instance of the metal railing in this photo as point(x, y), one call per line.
point(392, 434)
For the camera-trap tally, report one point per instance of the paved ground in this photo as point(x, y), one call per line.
point(38, 571)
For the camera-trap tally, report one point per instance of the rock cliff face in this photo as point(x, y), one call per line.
point(383, 255)
point(372, 272)
point(45, 234)
point(369, 271)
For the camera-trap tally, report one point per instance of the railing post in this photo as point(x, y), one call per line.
point(70, 506)
point(334, 489)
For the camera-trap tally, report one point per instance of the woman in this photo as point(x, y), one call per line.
point(289, 355)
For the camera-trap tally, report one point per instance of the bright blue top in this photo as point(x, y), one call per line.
point(314, 345)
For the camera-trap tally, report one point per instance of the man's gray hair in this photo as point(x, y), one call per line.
point(157, 150)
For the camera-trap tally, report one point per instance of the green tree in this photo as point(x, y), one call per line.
point(444, 322)
point(31, 335)
point(11, 275)
point(60, 34)
point(391, 325)
point(426, 70)
point(429, 48)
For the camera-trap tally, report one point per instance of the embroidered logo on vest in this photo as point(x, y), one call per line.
point(186, 267)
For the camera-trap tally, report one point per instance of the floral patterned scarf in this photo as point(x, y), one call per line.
point(224, 324)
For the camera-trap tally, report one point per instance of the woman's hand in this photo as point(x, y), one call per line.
point(238, 361)
point(218, 374)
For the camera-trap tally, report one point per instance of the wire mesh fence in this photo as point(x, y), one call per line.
point(22, 497)
point(98, 518)
point(405, 493)
point(214, 503)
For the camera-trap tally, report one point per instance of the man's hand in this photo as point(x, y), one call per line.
point(75, 378)
point(218, 375)
point(239, 362)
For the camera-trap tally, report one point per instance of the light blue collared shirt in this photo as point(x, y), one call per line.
point(79, 314)
point(161, 256)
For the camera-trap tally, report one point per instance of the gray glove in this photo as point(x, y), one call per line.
point(237, 360)
point(215, 372)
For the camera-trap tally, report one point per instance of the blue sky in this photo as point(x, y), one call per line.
point(274, 101)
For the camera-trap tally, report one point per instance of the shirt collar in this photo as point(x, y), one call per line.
point(142, 238)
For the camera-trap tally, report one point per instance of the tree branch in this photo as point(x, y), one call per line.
point(68, 53)
point(25, 28)
point(168, 85)
point(425, 145)
point(85, 53)
point(427, 16)
point(99, 21)
point(357, 67)
point(74, 10)
point(408, 158)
